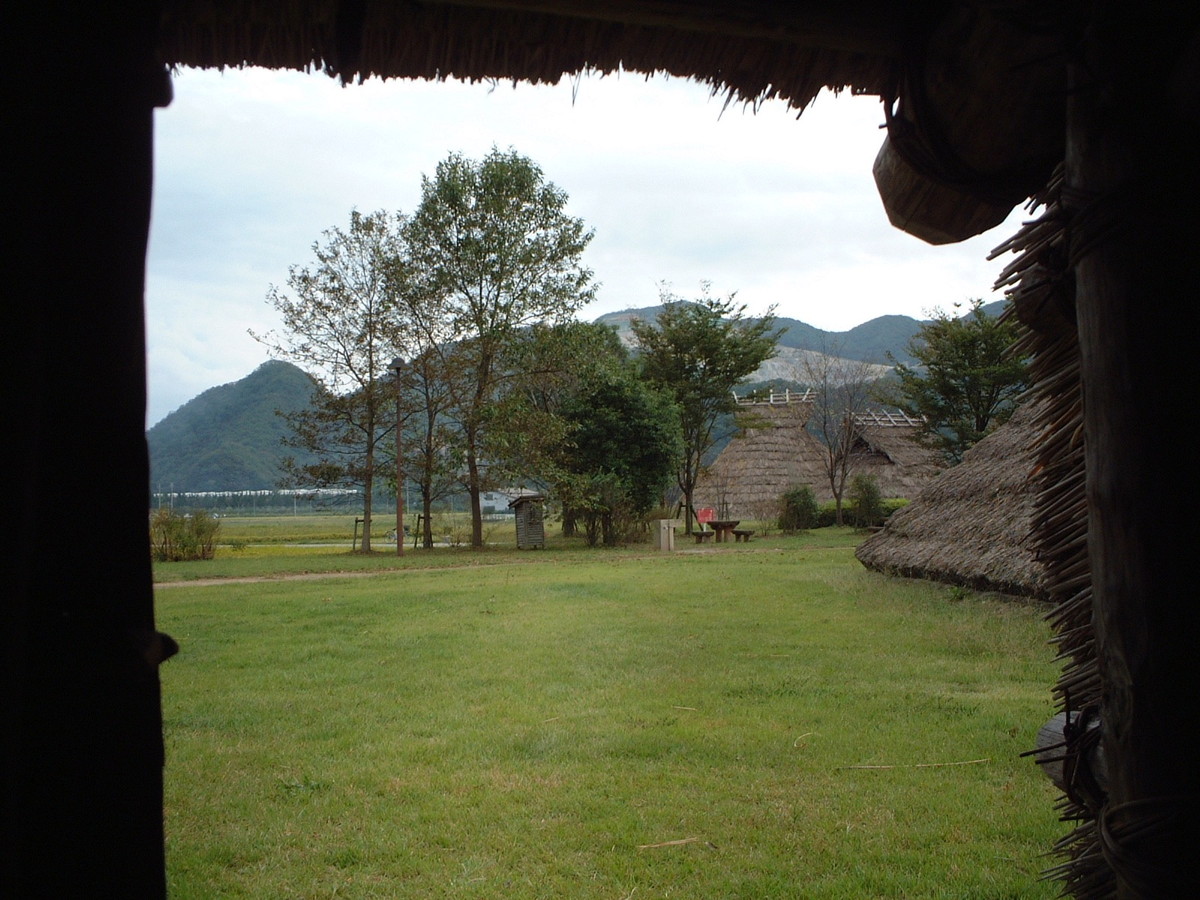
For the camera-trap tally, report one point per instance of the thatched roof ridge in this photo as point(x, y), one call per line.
point(972, 525)
point(899, 445)
point(897, 436)
point(886, 419)
point(773, 397)
point(747, 51)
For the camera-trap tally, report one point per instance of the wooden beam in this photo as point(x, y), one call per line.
point(1054, 748)
point(80, 737)
point(935, 212)
point(1131, 194)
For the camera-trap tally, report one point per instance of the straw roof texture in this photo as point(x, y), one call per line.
point(1043, 295)
point(972, 525)
point(776, 453)
point(749, 51)
point(763, 462)
point(887, 448)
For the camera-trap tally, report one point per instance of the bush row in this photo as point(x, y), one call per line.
point(862, 507)
point(176, 537)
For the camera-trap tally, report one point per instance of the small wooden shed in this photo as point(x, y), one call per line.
point(528, 509)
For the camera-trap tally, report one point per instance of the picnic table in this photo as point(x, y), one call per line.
point(723, 528)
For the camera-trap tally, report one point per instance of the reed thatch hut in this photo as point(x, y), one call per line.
point(972, 524)
point(769, 456)
point(774, 452)
point(982, 99)
point(886, 447)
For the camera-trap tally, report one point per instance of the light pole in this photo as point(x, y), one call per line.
point(396, 366)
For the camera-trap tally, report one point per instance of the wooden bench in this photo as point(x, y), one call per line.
point(742, 534)
point(703, 537)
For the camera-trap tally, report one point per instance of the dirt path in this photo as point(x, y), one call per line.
point(318, 576)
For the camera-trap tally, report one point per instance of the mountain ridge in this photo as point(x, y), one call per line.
point(869, 341)
point(229, 438)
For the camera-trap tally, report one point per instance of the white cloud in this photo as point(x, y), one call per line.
point(252, 166)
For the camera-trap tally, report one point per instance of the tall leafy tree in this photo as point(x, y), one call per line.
point(492, 251)
point(624, 444)
point(339, 325)
point(429, 442)
point(547, 365)
point(576, 418)
point(967, 379)
point(698, 351)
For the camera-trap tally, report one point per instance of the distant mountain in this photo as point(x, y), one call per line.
point(229, 438)
point(789, 364)
point(870, 342)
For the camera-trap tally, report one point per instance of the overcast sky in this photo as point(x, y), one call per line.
point(252, 166)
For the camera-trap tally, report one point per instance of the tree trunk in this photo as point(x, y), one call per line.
point(1132, 184)
point(473, 492)
point(837, 487)
point(368, 489)
point(427, 511)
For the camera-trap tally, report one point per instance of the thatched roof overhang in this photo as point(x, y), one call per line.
point(962, 146)
point(749, 51)
point(973, 523)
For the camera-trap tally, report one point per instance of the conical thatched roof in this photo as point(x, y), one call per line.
point(973, 524)
point(764, 461)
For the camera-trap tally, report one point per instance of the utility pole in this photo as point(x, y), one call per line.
point(396, 367)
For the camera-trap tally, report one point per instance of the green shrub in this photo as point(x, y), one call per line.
point(825, 514)
point(866, 502)
point(798, 510)
point(176, 537)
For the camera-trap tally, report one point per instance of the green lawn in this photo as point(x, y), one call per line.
point(762, 720)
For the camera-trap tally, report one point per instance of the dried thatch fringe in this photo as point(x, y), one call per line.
point(1043, 299)
point(447, 40)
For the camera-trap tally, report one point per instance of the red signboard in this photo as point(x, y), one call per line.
point(706, 515)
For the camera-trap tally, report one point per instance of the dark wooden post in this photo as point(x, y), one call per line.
point(397, 368)
point(1133, 200)
point(81, 731)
